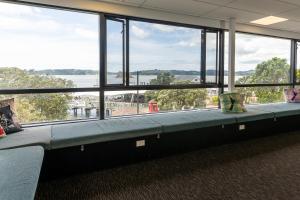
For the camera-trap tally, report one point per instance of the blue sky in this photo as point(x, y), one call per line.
point(40, 38)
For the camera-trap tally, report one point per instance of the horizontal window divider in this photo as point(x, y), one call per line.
point(261, 85)
point(47, 90)
point(160, 87)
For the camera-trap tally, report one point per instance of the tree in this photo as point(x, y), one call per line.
point(176, 99)
point(273, 71)
point(36, 107)
point(163, 78)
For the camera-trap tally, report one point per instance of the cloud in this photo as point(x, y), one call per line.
point(138, 32)
point(193, 42)
point(10, 9)
point(164, 28)
point(19, 24)
point(252, 50)
point(85, 33)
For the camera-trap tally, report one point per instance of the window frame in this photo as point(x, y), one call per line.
point(102, 61)
point(292, 64)
point(123, 51)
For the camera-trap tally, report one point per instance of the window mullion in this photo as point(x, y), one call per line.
point(203, 57)
point(127, 70)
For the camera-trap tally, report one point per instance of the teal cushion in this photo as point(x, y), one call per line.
point(20, 169)
point(188, 120)
point(40, 136)
point(281, 109)
point(67, 135)
point(252, 114)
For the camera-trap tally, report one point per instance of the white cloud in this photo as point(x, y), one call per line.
point(33, 52)
point(164, 28)
point(16, 10)
point(138, 32)
point(85, 33)
point(19, 24)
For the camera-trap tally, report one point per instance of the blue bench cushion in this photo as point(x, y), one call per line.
point(281, 109)
point(189, 120)
point(67, 135)
point(252, 114)
point(20, 169)
point(28, 137)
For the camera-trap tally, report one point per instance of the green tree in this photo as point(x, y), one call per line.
point(164, 78)
point(36, 107)
point(273, 71)
point(177, 99)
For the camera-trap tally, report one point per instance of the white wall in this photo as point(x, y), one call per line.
point(94, 5)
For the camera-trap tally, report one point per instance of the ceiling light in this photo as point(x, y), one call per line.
point(269, 20)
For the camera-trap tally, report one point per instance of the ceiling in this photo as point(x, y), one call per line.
point(243, 11)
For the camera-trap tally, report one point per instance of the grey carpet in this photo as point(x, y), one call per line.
point(265, 168)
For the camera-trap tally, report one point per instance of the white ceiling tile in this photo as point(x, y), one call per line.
point(291, 15)
point(225, 13)
point(190, 7)
point(287, 25)
point(267, 7)
point(125, 2)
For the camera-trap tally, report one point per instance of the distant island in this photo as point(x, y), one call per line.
point(142, 72)
point(64, 72)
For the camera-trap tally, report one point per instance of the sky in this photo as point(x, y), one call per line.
point(41, 38)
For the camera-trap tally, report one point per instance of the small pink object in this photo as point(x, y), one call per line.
point(292, 95)
point(2, 132)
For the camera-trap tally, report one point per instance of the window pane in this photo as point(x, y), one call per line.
point(163, 54)
point(263, 95)
point(114, 52)
point(30, 108)
point(47, 48)
point(226, 47)
point(211, 57)
point(262, 60)
point(181, 99)
point(120, 103)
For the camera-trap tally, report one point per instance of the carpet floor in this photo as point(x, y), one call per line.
point(264, 168)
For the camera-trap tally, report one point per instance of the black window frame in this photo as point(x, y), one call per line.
point(292, 64)
point(124, 52)
point(102, 62)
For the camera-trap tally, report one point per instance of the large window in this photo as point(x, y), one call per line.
point(50, 64)
point(163, 54)
point(262, 60)
point(47, 48)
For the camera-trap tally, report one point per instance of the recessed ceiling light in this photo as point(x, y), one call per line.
point(269, 20)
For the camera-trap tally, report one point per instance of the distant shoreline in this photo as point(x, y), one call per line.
point(143, 72)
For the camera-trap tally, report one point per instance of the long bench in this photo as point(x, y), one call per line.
point(67, 135)
point(165, 130)
point(73, 134)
